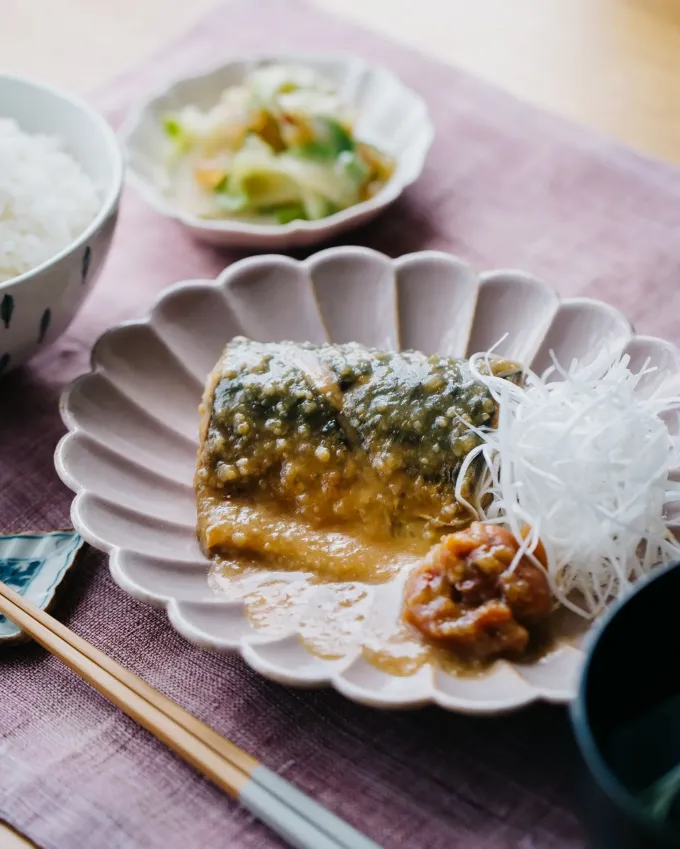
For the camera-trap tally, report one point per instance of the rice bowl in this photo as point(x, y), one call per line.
point(56, 229)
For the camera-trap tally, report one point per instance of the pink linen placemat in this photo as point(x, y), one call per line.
point(505, 185)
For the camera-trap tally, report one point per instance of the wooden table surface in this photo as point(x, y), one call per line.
point(613, 65)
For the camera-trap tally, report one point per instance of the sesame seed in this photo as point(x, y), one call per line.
point(434, 383)
point(322, 453)
point(227, 472)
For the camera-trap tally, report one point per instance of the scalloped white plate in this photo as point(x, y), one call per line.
point(130, 451)
point(389, 115)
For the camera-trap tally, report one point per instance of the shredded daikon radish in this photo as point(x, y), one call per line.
point(583, 458)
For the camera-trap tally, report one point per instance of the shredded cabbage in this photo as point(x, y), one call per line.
point(279, 147)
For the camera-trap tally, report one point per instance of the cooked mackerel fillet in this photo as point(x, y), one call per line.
point(334, 458)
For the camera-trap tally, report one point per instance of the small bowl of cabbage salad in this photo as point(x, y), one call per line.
point(282, 152)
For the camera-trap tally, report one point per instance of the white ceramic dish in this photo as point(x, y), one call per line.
point(389, 115)
point(130, 453)
point(36, 307)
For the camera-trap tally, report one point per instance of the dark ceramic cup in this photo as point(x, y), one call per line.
point(626, 717)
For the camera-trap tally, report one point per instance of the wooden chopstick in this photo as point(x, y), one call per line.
point(305, 824)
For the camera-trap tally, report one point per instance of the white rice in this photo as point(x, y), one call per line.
point(46, 199)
